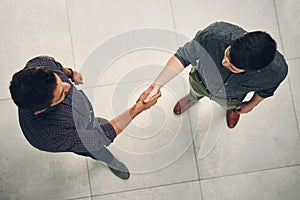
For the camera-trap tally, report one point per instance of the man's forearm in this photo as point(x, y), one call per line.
point(121, 122)
point(172, 69)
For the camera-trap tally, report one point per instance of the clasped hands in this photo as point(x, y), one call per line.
point(148, 98)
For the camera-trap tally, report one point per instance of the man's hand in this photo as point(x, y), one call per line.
point(171, 70)
point(155, 90)
point(141, 105)
point(77, 78)
point(121, 122)
point(245, 107)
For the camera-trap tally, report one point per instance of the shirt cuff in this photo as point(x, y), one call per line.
point(109, 131)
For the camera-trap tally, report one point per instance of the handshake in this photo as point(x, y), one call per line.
point(147, 99)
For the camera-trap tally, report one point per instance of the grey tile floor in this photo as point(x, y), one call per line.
point(120, 46)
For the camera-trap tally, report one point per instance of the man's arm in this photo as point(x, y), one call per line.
point(246, 107)
point(121, 122)
point(172, 69)
point(75, 76)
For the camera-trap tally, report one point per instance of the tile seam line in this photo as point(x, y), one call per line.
point(79, 198)
point(289, 81)
point(145, 188)
point(70, 33)
point(112, 84)
point(251, 172)
point(296, 58)
point(174, 24)
point(195, 154)
point(5, 99)
point(89, 177)
point(294, 107)
point(278, 26)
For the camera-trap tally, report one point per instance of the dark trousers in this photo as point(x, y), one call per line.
point(198, 91)
point(103, 155)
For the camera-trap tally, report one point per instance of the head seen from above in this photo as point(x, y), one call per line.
point(37, 89)
point(251, 52)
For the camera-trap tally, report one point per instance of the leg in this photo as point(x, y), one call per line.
point(197, 91)
point(102, 154)
point(185, 103)
point(232, 117)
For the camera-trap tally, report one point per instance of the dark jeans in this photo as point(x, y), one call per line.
point(102, 154)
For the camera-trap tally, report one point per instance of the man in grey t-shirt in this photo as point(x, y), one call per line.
point(228, 63)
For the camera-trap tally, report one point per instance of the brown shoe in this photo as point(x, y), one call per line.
point(183, 104)
point(232, 118)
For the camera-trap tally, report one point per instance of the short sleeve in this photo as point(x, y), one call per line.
point(190, 53)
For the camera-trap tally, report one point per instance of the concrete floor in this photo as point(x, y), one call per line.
point(120, 46)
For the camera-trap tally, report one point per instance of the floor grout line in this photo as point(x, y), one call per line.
point(289, 81)
point(250, 172)
point(70, 33)
point(196, 160)
point(5, 99)
point(79, 198)
point(145, 188)
point(173, 20)
point(278, 26)
point(296, 58)
point(195, 154)
point(294, 106)
point(112, 84)
point(89, 177)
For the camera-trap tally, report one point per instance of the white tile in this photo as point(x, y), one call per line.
point(139, 65)
point(180, 170)
point(289, 23)
point(190, 191)
point(267, 137)
point(155, 146)
point(193, 15)
point(107, 27)
point(27, 173)
point(294, 74)
point(275, 184)
point(31, 28)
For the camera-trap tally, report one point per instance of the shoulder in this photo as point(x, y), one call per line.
point(40, 61)
point(221, 31)
point(223, 27)
point(279, 66)
point(45, 61)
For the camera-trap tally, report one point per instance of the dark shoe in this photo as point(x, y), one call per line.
point(119, 169)
point(183, 104)
point(232, 118)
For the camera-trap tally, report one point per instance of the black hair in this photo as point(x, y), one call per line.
point(253, 51)
point(33, 88)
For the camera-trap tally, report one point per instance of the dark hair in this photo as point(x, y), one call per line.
point(33, 88)
point(253, 51)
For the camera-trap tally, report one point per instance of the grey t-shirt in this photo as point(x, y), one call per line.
point(206, 52)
